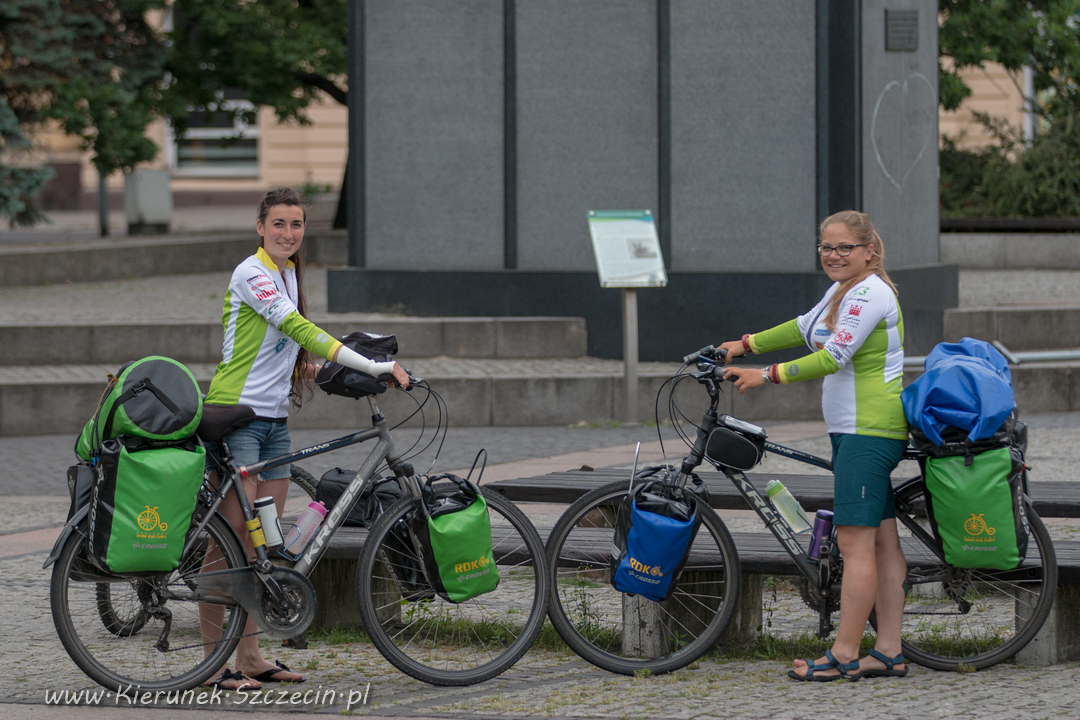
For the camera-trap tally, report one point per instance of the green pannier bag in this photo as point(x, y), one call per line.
point(142, 508)
point(976, 508)
point(455, 533)
point(148, 464)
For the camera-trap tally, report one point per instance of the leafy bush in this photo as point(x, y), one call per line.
point(1011, 180)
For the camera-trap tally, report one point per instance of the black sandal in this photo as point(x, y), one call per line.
point(833, 664)
point(228, 675)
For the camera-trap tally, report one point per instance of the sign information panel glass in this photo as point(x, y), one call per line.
point(626, 248)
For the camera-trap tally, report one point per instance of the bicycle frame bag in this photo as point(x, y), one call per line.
point(455, 533)
point(143, 502)
point(337, 379)
point(654, 532)
point(155, 398)
point(379, 495)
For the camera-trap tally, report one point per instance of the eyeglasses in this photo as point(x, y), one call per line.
point(841, 250)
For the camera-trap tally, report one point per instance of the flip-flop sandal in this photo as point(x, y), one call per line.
point(268, 675)
point(226, 676)
point(833, 664)
point(888, 671)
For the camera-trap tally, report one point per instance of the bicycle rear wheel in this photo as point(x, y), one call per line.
point(121, 650)
point(625, 634)
point(441, 642)
point(974, 618)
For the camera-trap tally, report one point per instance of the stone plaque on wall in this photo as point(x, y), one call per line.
point(902, 30)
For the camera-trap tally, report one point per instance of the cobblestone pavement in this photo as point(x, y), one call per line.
point(547, 682)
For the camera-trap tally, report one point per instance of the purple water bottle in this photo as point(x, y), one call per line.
point(822, 528)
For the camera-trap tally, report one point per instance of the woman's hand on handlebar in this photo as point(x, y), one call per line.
point(744, 378)
point(734, 349)
point(400, 377)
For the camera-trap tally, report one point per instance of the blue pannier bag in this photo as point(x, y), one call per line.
point(654, 531)
point(965, 386)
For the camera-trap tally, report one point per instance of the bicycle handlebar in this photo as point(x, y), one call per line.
point(709, 352)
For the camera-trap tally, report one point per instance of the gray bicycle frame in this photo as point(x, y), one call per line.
point(384, 450)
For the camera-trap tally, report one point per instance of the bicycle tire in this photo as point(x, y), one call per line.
point(588, 612)
point(304, 480)
point(1008, 608)
point(117, 660)
point(440, 642)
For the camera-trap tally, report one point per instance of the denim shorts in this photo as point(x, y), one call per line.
point(862, 491)
point(261, 440)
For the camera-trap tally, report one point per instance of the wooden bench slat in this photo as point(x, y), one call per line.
point(1050, 499)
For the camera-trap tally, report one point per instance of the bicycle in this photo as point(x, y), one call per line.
point(953, 617)
point(144, 629)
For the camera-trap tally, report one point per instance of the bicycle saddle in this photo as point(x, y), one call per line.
point(220, 419)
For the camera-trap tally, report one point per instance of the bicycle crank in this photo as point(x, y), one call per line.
point(281, 603)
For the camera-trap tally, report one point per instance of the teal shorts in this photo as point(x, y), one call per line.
point(862, 492)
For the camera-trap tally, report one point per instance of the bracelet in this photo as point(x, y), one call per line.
point(771, 374)
point(746, 344)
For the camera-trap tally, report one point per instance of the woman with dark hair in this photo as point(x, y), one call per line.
point(267, 366)
point(855, 335)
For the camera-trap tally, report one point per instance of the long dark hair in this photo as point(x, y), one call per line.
point(301, 382)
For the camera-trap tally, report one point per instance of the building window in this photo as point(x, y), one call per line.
point(221, 143)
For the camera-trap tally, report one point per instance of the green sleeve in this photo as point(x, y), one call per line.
point(780, 337)
point(309, 336)
point(812, 366)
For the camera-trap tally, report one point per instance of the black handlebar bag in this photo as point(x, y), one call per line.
point(654, 531)
point(147, 467)
point(336, 379)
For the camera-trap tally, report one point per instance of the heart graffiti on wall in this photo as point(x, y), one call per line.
point(903, 122)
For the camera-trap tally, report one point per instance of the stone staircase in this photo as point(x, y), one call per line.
point(490, 371)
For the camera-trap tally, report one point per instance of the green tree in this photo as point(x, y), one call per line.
point(1043, 35)
point(1009, 177)
point(278, 53)
point(94, 66)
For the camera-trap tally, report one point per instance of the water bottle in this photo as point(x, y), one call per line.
point(822, 529)
point(305, 528)
point(266, 509)
point(788, 507)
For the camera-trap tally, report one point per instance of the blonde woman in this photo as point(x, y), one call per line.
point(855, 335)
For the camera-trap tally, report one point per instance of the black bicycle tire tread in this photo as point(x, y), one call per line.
point(1019, 641)
point(622, 666)
point(533, 626)
point(202, 671)
point(304, 480)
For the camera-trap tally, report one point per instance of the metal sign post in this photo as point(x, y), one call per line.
point(627, 252)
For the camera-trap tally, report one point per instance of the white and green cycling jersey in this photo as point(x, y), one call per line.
point(263, 335)
point(862, 360)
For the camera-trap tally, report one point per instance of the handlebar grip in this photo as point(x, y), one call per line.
point(709, 351)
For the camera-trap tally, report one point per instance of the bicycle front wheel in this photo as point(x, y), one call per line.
point(441, 642)
point(625, 634)
point(974, 618)
point(117, 634)
point(304, 480)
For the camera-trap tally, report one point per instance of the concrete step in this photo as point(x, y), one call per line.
point(200, 342)
point(126, 258)
point(1018, 328)
point(40, 399)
